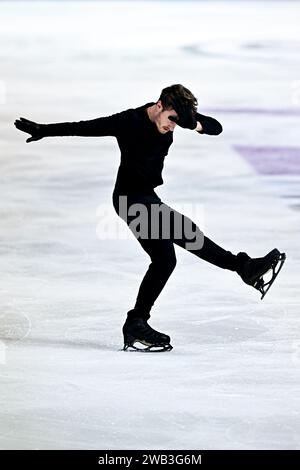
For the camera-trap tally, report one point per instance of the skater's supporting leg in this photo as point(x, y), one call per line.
point(137, 330)
point(163, 262)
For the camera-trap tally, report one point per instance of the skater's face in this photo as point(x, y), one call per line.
point(161, 118)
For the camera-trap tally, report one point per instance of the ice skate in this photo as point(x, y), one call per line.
point(255, 271)
point(138, 331)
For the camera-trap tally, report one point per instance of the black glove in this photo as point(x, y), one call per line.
point(186, 117)
point(33, 128)
point(209, 125)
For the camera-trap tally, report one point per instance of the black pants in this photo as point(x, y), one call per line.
point(158, 242)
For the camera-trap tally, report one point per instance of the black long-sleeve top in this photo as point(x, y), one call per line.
point(143, 147)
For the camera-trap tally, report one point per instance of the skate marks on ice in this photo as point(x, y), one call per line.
point(272, 112)
point(14, 326)
point(255, 432)
point(234, 325)
point(83, 341)
point(74, 339)
point(245, 51)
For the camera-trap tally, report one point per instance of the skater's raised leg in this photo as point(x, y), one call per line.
point(251, 270)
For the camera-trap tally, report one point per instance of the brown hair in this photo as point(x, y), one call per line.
point(178, 94)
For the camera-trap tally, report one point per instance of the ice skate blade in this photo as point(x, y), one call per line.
point(263, 286)
point(148, 349)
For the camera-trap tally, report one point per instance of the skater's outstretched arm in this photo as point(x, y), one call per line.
point(102, 126)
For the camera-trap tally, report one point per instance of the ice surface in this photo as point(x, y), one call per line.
point(232, 380)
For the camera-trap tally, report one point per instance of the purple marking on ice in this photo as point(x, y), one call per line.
point(270, 111)
point(272, 160)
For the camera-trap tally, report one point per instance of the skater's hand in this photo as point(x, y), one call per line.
point(186, 117)
point(30, 127)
